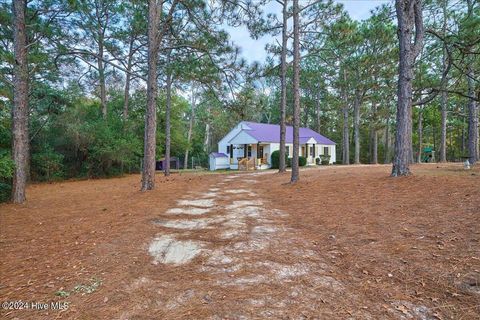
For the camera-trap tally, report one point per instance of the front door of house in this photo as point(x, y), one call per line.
point(260, 152)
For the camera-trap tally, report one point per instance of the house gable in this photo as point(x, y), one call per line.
point(232, 133)
point(243, 137)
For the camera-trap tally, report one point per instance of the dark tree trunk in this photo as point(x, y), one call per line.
point(387, 141)
point(296, 91)
point(126, 96)
point(190, 128)
point(206, 140)
point(356, 127)
point(420, 136)
point(101, 73)
point(374, 146)
point(443, 96)
point(463, 134)
point(148, 173)
point(346, 138)
point(472, 138)
point(443, 130)
point(409, 14)
point(20, 103)
point(283, 84)
point(128, 79)
point(410, 134)
point(472, 141)
point(318, 112)
point(345, 133)
point(103, 94)
point(167, 123)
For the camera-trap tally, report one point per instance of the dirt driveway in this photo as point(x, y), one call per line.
point(345, 242)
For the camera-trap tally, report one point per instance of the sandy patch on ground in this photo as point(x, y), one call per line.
point(167, 249)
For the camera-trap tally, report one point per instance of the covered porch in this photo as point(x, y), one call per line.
point(309, 149)
point(249, 156)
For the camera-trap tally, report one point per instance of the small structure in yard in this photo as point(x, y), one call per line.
point(174, 163)
point(428, 154)
point(249, 146)
point(218, 161)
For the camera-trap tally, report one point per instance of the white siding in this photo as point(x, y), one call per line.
point(218, 163)
point(222, 144)
point(243, 138)
point(333, 154)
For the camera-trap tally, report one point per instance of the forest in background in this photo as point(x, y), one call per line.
point(88, 68)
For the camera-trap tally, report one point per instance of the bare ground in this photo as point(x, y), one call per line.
point(344, 242)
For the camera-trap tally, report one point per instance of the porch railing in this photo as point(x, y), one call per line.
point(247, 164)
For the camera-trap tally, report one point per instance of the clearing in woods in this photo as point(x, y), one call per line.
point(344, 242)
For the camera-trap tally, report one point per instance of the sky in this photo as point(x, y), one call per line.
point(254, 50)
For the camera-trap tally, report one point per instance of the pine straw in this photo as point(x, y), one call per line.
point(354, 225)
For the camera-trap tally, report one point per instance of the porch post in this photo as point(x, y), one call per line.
point(245, 150)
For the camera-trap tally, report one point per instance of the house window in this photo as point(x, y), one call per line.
point(312, 151)
point(325, 151)
point(287, 151)
point(228, 149)
point(249, 154)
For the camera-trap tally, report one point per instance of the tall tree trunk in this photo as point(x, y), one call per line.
point(410, 136)
point(148, 173)
point(443, 96)
point(101, 74)
point(420, 136)
point(387, 141)
point(345, 137)
point(472, 141)
point(167, 123)
point(206, 140)
point(472, 138)
point(356, 126)
point(318, 112)
point(443, 130)
point(20, 103)
point(374, 146)
point(463, 133)
point(283, 89)
point(190, 127)
point(128, 78)
point(374, 158)
point(409, 14)
point(345, 131)
point(296, 92)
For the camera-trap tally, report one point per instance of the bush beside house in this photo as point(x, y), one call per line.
point(324, 159)
point(276, 159)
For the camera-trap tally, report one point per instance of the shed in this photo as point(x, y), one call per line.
point(218, 161)
point(174, 163)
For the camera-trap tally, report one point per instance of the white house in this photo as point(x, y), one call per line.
point(249, 145)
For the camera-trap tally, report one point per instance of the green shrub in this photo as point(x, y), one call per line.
point(302, 161)
point(6, 166)
point(276, 159)
point(47, 165)
point(6, 173)
point(325, 159)
point(318, 161)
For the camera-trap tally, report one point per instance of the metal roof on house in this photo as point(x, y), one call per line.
point(264, 132)
point(218, 155)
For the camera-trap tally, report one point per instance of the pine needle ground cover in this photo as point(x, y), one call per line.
point(345, 241)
